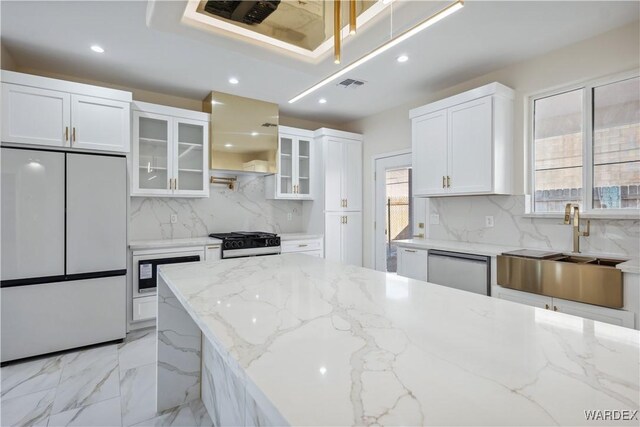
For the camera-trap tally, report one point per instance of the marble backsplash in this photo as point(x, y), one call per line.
point(463, 219)
point(242, 209)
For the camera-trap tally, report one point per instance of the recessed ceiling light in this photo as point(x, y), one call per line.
point(97, 49)
point(254, 133)
point(322, 101)
point(227, 145)
point(234, 81)
point(402, 58)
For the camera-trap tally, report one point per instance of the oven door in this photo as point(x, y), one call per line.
point(145, 269)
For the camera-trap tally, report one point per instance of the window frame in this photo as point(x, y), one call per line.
point(587, 87)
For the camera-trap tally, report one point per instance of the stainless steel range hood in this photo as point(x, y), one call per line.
point(244, 134)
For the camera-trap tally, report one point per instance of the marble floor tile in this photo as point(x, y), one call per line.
point(180, 416)
point(88, 376)
point(105, 413)
point(28, 410)
point(31, 376)
point(138, 394)
point(109, 385)
point(139, 348)
point(200, 414)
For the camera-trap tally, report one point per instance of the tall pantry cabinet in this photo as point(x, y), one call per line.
point(337, 213)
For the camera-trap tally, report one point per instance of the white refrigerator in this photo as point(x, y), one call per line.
point(64, 247)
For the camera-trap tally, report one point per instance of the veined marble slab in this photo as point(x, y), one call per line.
point(319, 343)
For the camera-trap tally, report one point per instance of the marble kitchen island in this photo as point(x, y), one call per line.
point(298, 340)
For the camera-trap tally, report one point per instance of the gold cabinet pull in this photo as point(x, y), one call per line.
point(444, 183)
point(74, 134)
point(546, 306)
point(302, 246)
point(346, 219)
point(346, 203)
point(175, 183)
point(448, 181)
point(170, 184)
point(66, 133)
point(555, 308)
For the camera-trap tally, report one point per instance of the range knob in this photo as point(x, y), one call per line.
point(240, 244)
point(227, 245)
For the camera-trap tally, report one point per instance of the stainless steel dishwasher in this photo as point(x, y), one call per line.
point(467, 272)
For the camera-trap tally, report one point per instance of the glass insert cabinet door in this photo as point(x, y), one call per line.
point(286, 165)
point(304, 167)
point(154, 151)
point(190, 163)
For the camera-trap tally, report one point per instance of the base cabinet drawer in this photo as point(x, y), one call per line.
point(144, 308)
point(412, 263)
point(290, 246)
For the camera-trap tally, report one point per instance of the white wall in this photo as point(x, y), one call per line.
point(611, 52)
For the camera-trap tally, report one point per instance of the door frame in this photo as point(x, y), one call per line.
point(374, 160)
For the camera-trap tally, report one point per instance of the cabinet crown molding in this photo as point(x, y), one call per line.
point(65, 86)
point(491, 89)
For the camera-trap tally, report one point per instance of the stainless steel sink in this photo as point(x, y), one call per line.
point(577, 278)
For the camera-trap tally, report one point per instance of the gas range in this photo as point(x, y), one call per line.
point(243, 243)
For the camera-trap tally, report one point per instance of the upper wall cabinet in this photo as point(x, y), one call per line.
point(295, 175)
point(463, 145)
point(342, 153)
point(42, 111)
point(170, 152)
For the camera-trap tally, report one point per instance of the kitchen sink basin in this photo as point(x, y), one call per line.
point(572, 277)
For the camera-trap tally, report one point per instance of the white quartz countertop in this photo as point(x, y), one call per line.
point(172, 243)
point(299, 236)
point(329, 344)
point(631, 266)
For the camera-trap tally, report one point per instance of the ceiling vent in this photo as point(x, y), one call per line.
point(350, 84)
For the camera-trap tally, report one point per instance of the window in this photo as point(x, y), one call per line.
point(586, 147)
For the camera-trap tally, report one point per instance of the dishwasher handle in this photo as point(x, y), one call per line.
point(459, 255)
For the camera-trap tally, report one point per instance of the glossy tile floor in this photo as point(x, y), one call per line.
point(111, 385)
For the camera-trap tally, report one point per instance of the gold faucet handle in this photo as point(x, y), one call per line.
point(588, 230)
point(567, 213)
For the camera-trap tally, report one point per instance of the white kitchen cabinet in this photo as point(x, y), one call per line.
point(343, 237)
point(463, 145)
point(43, 111)
point(430, 151)
point(170, 152)
point(213, 252)
point(295, 175)
point(313, 247)
point(35, 116)
point(587, 311)
point(343, 175)
point(100, 124)
point(525, 298)
point(594, 312)
point(470, 148)
point(412, 263)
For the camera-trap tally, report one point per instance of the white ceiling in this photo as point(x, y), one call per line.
point(148, 48)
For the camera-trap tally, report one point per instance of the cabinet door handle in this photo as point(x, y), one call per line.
point(302, 246)
point(346, 203)
point(66, 133)
point(175, 183)
point(444, 183)
point(448, 181)
point(546, 306)
point(410, 250)
point(555, 308)
point(346, 219)
point(74, 134)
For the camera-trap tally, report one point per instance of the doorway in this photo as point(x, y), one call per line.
point(394, 207)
